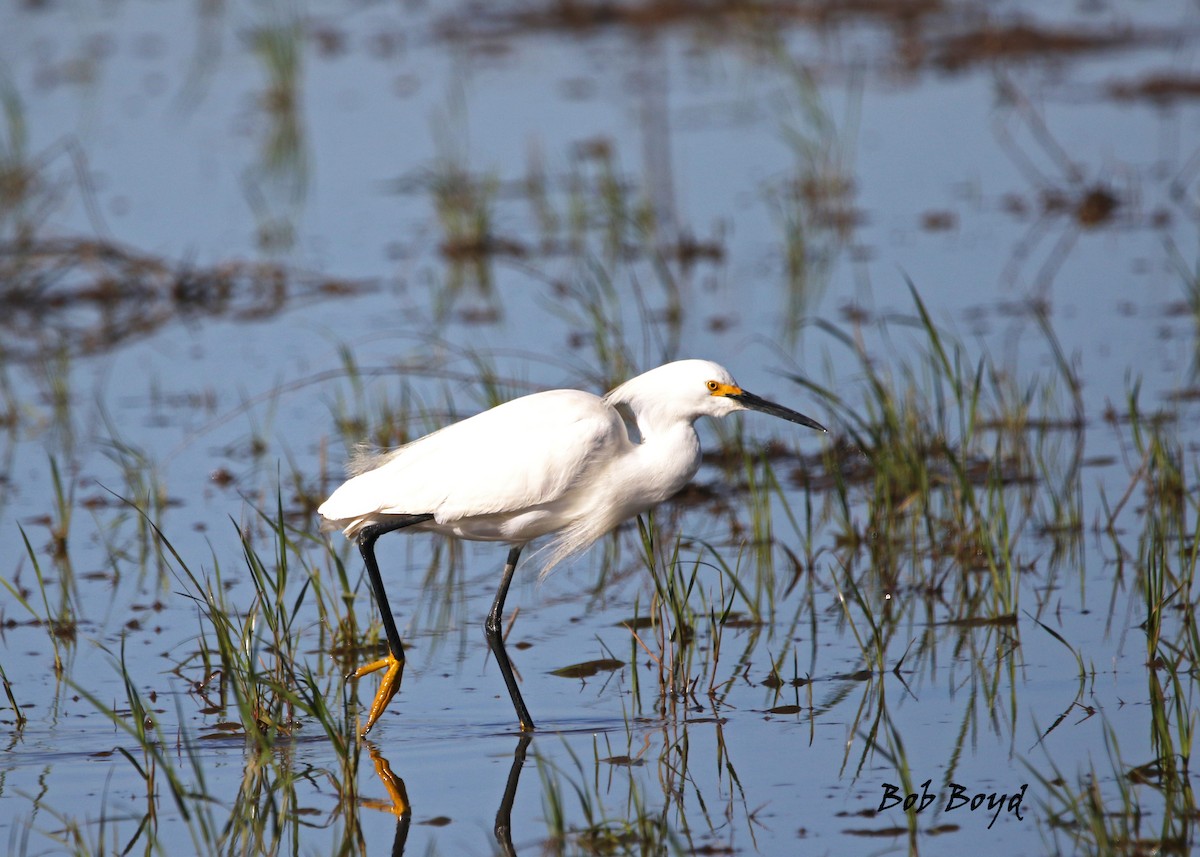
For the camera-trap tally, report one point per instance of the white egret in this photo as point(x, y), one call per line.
point(562, 462)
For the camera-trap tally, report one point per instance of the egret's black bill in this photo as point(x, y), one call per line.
point(758, 404)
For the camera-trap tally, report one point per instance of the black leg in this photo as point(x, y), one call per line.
point(393, 664)
point(495, 640)
point(366, 546)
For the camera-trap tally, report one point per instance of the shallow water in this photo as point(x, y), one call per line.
point(296, 217)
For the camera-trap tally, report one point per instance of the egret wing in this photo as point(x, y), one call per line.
point(519, 455)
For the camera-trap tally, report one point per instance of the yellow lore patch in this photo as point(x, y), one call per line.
point(716, 388)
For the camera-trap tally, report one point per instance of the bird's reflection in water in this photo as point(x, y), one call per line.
point(503, 828)
point(397, 802)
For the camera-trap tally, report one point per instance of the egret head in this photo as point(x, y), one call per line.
point(700, 388)
point(729, 397)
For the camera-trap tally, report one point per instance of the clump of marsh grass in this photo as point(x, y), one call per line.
point(945, 450)
point(813, 203)
point(638, 827)
point(29, 191)
point(694, 601)
point(1114, 810)
point(1164, 567)
point(277, 184)
point(249, 658)
point(156, 764)
point(672, 618)
point(264, 814)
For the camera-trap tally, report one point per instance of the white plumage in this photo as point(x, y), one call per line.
point(509, 474)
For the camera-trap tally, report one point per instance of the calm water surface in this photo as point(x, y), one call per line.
point(256, 236)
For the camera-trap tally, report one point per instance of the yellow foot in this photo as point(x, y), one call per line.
point(387, 687)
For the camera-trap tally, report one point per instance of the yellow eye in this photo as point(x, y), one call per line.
point(713, 386)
